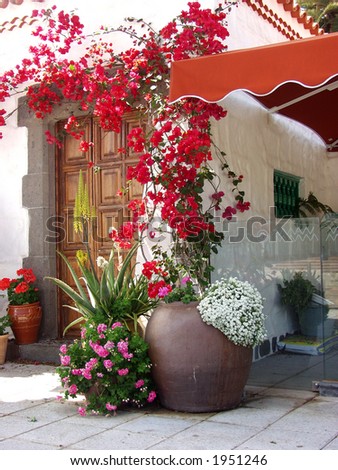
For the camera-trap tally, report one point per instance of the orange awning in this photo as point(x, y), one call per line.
point(298, 79)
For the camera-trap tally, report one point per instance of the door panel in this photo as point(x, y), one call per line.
point(110, 182)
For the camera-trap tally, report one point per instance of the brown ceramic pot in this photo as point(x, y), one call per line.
point(25, 322)
point(194, 366)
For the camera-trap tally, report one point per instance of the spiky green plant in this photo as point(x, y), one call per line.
point(111, 297)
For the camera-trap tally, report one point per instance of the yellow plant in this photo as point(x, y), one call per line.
point(82, 257)
point(82, 210)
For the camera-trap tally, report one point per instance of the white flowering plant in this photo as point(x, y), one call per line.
point(235, 308)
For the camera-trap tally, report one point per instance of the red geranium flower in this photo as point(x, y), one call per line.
point(21, 288)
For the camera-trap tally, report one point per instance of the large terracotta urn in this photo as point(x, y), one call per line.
point(194, 366)
point(25, 322)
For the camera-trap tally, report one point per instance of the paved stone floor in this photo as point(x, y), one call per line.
point(272, 417)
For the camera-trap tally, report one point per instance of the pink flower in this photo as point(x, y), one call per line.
point(185, 280)
point(82, 411)
point(91, 363)
point(65, 360)
point(122, 347)
point(108, 364)
point(101, 328)
point(116, 325)
point(139, 383)
point(100, 350)
point(72, 389)
point(86, 374)
point(111, 407)
point(123, 371)
point(63, 349)
point(163, 291)
point(109, 345)
point(151, 396)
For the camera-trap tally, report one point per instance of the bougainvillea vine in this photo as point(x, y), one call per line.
point(174, 143)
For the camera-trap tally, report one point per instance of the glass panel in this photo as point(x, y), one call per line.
point(264, 252)
point(329, 325)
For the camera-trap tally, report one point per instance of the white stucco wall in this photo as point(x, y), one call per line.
point(248, 29)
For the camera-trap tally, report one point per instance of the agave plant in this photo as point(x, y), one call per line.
point(114, 295)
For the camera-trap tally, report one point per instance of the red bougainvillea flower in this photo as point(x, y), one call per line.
point(171, 145)
point(243, 206)
point(229, 212)
point(85, 146)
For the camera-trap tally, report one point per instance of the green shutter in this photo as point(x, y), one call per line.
point(286, 194)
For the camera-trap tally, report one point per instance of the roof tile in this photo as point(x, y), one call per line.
point(5, 3)
point(265, 11)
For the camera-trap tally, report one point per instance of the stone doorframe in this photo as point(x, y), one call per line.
point(38, 197)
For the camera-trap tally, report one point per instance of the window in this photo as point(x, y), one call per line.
point(286, 194)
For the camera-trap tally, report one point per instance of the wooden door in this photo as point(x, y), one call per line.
point(103, 185)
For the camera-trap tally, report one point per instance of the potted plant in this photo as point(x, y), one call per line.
point(109, 364)
point(201, 346)
point(5, 322)
point(24, 307)
point(304, 298)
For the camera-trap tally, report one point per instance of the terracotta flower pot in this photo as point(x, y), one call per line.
point(25, 322)
point(195, 367)
point(3, 348)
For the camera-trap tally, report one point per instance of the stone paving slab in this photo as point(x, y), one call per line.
point(209, 435)
point(278, 439)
